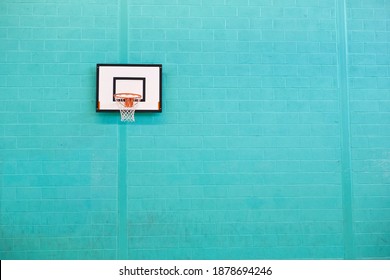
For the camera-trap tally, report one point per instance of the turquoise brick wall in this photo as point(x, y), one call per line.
point(273, 143)
point(58, 158)
point(369, 84)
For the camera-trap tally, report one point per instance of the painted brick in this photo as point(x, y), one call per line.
point(369, 162)
point(244, 160)
point(19, 9)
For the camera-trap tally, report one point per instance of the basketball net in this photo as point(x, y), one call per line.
point(127, 103)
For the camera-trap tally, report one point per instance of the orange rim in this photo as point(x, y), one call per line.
point(128, 98)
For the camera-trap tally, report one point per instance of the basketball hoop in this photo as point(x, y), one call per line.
point(127, 102)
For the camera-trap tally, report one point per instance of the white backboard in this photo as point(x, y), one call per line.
point(143, 79)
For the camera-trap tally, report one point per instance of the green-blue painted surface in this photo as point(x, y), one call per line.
point(274, 142)
point(344, 97)
point(122, 245)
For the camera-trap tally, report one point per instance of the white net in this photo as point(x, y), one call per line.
point(127, 115)
point(127, 106)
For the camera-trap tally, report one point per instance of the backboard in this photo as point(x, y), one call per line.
point(142, 79)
